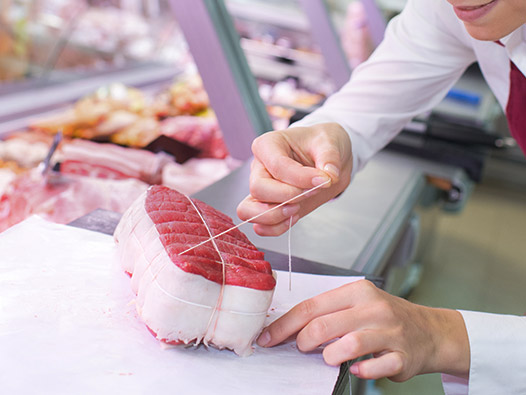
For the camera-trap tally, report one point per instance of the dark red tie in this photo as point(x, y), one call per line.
point(516, 108)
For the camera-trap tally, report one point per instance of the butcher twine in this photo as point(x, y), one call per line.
point(255, 217)
point(223, 274)
point(212, 239)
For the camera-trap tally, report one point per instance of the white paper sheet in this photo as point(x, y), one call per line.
point(68, 325)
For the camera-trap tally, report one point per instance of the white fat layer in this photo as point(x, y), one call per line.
point(177, 305)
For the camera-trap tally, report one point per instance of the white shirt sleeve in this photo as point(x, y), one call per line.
point(419, 60)
point(498, 356)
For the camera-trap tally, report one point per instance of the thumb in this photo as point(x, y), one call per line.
point(331, 150)
point(328, 159)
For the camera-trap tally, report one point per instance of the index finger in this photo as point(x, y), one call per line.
point(265, 188)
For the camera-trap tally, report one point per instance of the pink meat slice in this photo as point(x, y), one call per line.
point(64, 201)
point(199, 132)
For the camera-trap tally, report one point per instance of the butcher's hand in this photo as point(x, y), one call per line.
point(289, 162)
point(405, 339)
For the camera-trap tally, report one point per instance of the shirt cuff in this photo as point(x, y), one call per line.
point(497, 343)
point(454, 385)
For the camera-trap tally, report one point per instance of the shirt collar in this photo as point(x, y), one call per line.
point(515, 45)
point(515, 38)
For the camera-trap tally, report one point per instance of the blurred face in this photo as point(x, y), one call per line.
point(490, 19)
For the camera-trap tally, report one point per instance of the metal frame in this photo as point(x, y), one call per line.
point(231, 87)
point(376, 21)
point(325, 35)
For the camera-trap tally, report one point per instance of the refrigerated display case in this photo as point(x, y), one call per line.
point(115, 78)
point(58, 40)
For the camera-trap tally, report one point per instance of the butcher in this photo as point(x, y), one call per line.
point(425, 50)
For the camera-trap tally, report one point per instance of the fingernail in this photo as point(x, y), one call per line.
point(289, 211)
point(264, 339)
point(355, 369)
point(332, 170)
point(318, 180)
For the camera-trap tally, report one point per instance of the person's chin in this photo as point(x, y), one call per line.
point(487, 32)
point(483, 33)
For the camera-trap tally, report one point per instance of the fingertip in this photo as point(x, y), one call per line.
point(332, 171)
point(329, 358)
point(264, 339)
point(276, 229)
point(271, 230)
point(290, 209)
point(294, 220)
point(240, 211)
point(388, 365)
point(355, 369)
point(330, 175)
point(260, 230)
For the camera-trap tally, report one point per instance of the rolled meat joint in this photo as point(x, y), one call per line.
point(217, 292)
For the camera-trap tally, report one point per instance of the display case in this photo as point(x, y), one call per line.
point(302, 51)
point(55, 40)
point(115, 79)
